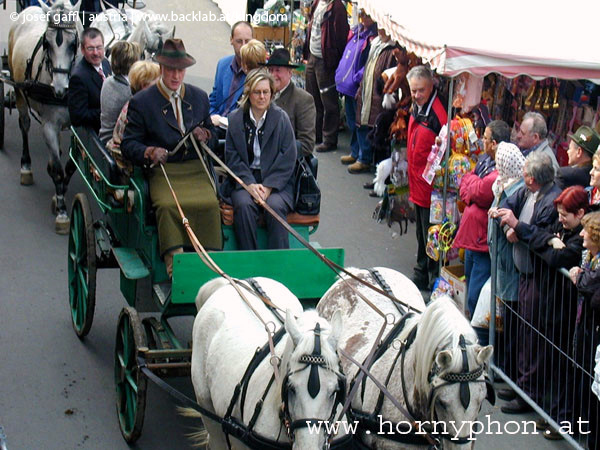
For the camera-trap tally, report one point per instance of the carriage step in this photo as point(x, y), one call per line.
point(131, 264)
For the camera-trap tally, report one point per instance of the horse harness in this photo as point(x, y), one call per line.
point(41, 92)
point(405, 433)
point(245, 433)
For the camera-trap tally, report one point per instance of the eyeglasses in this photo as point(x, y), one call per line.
point(266, 93)
point(95, 49)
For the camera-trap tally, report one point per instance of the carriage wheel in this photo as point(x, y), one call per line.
point(1, 113)
point(129, 380)
point(82, 266)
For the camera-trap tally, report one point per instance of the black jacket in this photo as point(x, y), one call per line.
point(151, 122)
point(85, 85)
point(573, 176)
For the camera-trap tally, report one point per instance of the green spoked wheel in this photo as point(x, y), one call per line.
point(82, 266)
point(129, 380)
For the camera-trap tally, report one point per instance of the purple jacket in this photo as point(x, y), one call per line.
point(350, 70)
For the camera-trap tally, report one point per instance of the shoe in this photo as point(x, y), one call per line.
point(541, 424)
point(323, 147)
point(373, 194)
point(420, 283)
point(506, 394)
point(516, 406)
point(552, 435)
point(347, 159)
point(359, 167)
point(368, 185)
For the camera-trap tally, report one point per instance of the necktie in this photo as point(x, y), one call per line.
point(177, 115)
point(101, 74)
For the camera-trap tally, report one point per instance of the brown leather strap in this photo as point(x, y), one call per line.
point(331, 264)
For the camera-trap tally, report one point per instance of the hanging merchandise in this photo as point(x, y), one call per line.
point(468, 90)
point(436, 209)
point(439, 240)
point(458, 166)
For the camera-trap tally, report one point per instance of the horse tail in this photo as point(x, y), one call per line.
point(209, 289)
point(199, 438)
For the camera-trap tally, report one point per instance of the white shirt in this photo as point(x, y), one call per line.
point(176, 105)
point(315, 33)
point(256, 145)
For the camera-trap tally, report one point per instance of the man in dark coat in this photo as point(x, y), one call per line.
point(296, 102)
point(326, 37)
point(158, 118)
point(583, 144)
point(524, 215)
point(86, 81)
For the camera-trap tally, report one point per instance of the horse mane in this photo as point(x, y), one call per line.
point(439, 328)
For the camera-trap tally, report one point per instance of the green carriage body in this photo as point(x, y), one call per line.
point(132, 239)
point(126, 237)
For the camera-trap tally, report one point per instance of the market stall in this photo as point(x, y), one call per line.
point(501, 48)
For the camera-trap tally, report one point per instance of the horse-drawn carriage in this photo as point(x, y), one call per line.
point(125, 236)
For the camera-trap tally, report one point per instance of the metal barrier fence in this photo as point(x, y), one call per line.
point(543, 346)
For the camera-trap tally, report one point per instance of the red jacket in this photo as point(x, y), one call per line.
point(334, 33)
point(422, 130)
point(477, 194)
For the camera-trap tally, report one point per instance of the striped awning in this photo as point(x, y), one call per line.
point(512, 37)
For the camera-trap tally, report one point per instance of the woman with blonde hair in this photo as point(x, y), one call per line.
point(253, 54)
point(116, 90)
point(260, 148)
point(594, 189)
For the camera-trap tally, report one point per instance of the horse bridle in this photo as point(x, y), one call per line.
point(59, 27)
point(312, 361)
point(464, 377)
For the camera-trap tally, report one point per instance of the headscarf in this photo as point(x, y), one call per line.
point(509, 163)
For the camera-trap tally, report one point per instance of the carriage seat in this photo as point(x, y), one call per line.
point(293, 218)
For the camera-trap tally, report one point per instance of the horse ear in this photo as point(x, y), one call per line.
point(336, 329)
point(483, 354)
point(291, 326)
point(147, 31)
point(44, 7)
point(443, 359)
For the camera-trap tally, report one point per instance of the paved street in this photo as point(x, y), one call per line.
point(57, 392)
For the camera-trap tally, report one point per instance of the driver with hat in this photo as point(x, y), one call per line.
point(582, 146)
point(158, 118)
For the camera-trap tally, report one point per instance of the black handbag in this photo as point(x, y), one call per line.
point(307, 195)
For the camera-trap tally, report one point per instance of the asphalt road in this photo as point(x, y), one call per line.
point(57, 392)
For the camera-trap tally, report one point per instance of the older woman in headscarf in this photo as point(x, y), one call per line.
point(509, 164)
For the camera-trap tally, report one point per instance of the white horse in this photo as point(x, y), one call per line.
point(226, 335)
point(132, 25)
point(49, 37)
point(424, 360)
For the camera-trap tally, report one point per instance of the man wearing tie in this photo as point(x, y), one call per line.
point(86, 81)
point(157, 119)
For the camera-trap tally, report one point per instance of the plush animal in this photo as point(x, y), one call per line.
point(397, 84)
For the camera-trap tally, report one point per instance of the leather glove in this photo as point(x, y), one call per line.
point(201, 134)
point(156, 155)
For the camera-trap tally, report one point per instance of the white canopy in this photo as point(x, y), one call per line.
point(525, 37)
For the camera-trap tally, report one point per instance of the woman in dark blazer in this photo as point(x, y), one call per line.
point(261, 149)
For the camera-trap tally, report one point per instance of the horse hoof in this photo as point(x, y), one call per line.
point(61, 224)
point(26, 177)
point(53, 205)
